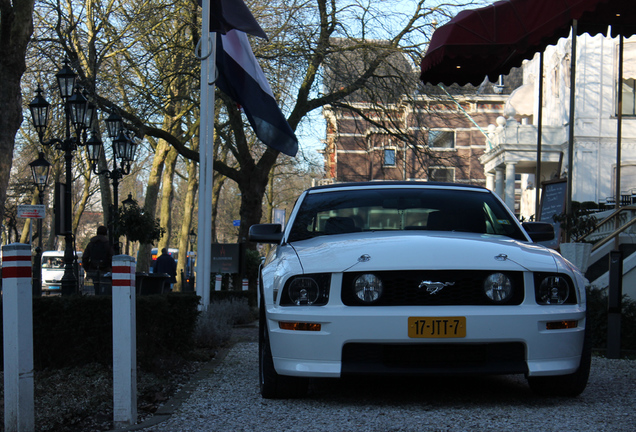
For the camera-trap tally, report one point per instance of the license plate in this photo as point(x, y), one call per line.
point(437, 327)
point(54, 287)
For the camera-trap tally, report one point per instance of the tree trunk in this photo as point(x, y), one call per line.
point(219, 180)
point(150, 204)
point(167, 196)
point(186, 223)
point(16, 28)
point(252, 182)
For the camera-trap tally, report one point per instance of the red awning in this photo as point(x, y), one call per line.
point(492, 40)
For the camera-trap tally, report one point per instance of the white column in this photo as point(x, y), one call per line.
point(17, 313)
point(510, 185)
point(499, 182)
point(490, 181)
point(124, 342)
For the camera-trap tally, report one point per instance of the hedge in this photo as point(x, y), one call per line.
point(77, 330)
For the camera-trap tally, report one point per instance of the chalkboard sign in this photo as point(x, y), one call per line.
point(553, 203)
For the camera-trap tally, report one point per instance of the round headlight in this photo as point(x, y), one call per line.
point(553, 290)
point(368, 288)
point(304, 291)
point(498, 287)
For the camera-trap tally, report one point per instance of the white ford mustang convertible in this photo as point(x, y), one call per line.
point(409, 278)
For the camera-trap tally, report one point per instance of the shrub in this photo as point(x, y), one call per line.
point(597, 312)
point(214, 326)
point(77, 330)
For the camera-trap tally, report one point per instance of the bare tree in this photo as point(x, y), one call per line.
point(137, 56)
point(306, 39)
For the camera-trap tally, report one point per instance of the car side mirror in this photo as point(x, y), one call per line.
point(266, 233)
point(539, 231)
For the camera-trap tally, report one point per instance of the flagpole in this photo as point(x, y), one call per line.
point(206, 158)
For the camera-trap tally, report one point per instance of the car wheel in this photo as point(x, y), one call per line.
point(273, 385)
point(567, 385)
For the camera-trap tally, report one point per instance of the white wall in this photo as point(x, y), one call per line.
point(595, 121)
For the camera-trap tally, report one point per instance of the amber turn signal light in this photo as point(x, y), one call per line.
point(299, 326)
point(560, 325)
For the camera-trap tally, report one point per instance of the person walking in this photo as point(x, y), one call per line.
point(166, 264)
point(97, 260)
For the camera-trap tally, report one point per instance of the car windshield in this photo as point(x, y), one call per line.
point(53, 262)
point(394, 209)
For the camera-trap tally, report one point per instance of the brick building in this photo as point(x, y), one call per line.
point(409, 131)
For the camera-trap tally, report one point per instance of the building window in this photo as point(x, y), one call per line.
point(441, 139)
point(629, 97)
point(628, 86)
point(441, 174)
point(389, 157)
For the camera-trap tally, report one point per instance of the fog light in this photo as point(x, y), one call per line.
point(368, 287)
point(498, 287)
point(299, 326)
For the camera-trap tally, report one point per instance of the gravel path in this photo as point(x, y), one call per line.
point(228, 399)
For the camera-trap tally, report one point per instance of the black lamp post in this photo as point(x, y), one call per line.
point(192, 236)
point(123, 152)
point(40, 168)
point(79, 113)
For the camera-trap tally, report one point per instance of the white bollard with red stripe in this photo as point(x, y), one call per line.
point(124, 342)
point(245, 284)
point(218, 282)
point(17, 312)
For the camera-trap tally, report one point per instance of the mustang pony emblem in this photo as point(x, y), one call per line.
point(434, 287)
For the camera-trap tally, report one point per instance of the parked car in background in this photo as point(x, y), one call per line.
point(409, 278)
point(53, 271)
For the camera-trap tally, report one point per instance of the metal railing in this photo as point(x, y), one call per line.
point(618, 222)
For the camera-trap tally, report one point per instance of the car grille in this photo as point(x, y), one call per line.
point(434, 358)
point(402, 288)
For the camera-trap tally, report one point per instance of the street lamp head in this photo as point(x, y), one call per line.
point(66, 80)
point(120, 144)
point(78, 106)
point(124, 148)
point(90, 115)
point(40, 168)
point(131, 150)
point(128, 202)
point(94, 149)
point(114, 125)
point(39, 108)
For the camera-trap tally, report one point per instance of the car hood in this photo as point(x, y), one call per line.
point(422, 250)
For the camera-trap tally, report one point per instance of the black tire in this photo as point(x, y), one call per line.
point(567, 385)
point(273, 385)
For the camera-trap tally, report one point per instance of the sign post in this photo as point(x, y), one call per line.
point(31, 211)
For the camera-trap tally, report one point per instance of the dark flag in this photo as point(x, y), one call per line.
point(226, 15)
point(241, 78)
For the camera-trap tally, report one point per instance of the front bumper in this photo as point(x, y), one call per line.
point(385, 329)
point(52, 287)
